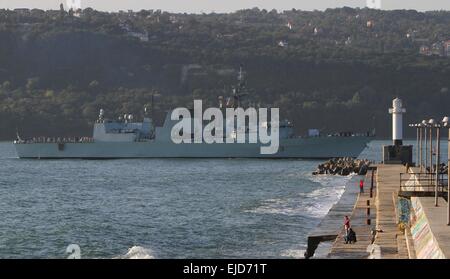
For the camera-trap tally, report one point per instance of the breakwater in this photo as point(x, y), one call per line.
point(343, 166)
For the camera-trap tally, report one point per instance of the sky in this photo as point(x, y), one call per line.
point(198, 6)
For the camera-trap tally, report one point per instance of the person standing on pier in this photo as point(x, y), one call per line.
point(346, 222)
point(361, 186)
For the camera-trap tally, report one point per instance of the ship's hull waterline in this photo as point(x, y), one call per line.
point(306, 148)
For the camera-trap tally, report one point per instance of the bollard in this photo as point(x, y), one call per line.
point(371, 182)
point(368, 222)
point(368, 211)
point(368, 202)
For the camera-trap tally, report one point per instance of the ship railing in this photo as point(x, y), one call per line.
point(351, 134)
point(55, 140)
point(342, 135)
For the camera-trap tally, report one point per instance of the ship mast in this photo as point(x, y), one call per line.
point(239, 91)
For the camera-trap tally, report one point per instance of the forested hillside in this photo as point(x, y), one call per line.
point(333, 70)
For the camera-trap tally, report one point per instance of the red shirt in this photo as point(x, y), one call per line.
point(361, 183)
point(347, 223)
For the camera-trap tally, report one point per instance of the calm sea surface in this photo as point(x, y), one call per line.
point(172, 208)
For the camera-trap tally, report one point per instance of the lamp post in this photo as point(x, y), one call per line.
point(420, 145)
point(417, 141)
point(438, 158)
point(425, 124)
point(446, 123)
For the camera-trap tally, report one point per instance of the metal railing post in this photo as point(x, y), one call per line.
point(420, 147)
point(431, 150)
point(417, 145)
point(371, 183)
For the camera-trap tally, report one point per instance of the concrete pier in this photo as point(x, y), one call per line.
point(331, 225)
point(426, 236)
point(363, 210)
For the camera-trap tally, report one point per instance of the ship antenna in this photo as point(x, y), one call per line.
point(374, 129)
point(241, 75)
point(238, 91)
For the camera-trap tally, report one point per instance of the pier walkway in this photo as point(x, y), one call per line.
point(389, 242)
point(358, 221)
point(392, 242)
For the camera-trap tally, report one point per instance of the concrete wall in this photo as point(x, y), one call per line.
point(425, 243)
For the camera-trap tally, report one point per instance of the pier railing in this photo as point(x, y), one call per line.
point(423, 184)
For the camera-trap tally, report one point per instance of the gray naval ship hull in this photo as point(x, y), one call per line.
point(306, 148)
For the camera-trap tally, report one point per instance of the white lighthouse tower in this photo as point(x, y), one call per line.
point(75, 5)
point(397, 112)
point(397, 153)
point(374, 4)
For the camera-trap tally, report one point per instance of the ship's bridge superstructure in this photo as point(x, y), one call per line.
point(123, 130)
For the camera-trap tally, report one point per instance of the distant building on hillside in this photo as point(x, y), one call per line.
point(289, 25)
point(173, 19)
point(316, 31)
point(22, 11)
point(130, 31)
point(437, 49)
point(283, 43)
point(142, 36)
point(447, 48)
point(425, 50)
point(440, 48)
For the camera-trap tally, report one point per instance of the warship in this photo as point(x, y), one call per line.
point(126, 138)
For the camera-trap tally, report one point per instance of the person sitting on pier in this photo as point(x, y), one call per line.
point(350, 236)
point(346, 227)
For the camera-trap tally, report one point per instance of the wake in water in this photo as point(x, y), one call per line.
point(322, 199)
point(138, 252)
point(316, 204)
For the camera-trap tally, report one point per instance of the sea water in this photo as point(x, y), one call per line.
point(163, 208)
